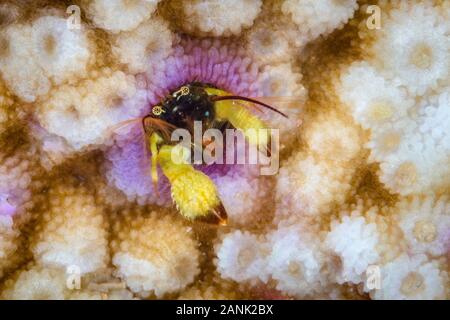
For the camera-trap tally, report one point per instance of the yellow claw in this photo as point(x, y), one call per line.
point(239, 115)
point(193, 192)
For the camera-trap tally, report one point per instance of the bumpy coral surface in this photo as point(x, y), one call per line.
point(358, 206)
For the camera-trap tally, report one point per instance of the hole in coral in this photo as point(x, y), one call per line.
point(425, 231)
point(422, 56)
point(295, 269)
point(381, 111)
point(390, 141)
point(266, 40)
point(73, 111)
point(406, 174)
point(245, 257)
point(412, 284)
point(275, 86)
point(130, 4)
point(151, 48)
point(49, 44)
point(113, 101)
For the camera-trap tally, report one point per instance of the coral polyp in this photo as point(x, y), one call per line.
point(355, 95)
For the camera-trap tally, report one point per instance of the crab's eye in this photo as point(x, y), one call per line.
point(182, 92)
point(158, 110)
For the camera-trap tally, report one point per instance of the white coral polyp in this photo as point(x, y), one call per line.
point(221, 18)
point(145, 47)
point(295, 262)
point(354, 241)
point(74, 235)
point(414, 277)
point(317, 17)
point(413, 47)
point(408, 172)
point(373, 101)
point(61, 52)
point(121, 15)
point(20, 70)
point(306, 186)
point(284, 89)
point(414, 152)
point(38, 283)
point(333, 139)
point(281, 81)
point(156, 255)
point(269, 46)
point(144, 277)
point(83, 114)
point(241, 257)
point(426, 224)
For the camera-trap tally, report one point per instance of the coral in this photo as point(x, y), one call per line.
point(43, 283)
point(217, 289)
point(9, 13)
point(35, 56)
point(84, 114)
point(408, 138)
point(419, 162)
point(296, 262)
point(269, 47)
point(148, 45)
point(8, 241)
point(419, 60)
point(123, 294)
point(20, 190)
point(242, 194)
point(154, 253)
point(220, 63)
point(300, 186)
point(241, 257)
point(315, 18)
point(128, 169)
point(333, 138)
point(16, 173)
point(73, 232)
point(100, 285)
point(283, 85)
point(425, 224)
point(7, 115)
point(353, 240)
point(412, 277)
point(374, 101)
point(120, 15)
point(363, 180)
point(61, 53)
point(20, 72)
point(36, 283)
point(310, 182)
point(219, 18)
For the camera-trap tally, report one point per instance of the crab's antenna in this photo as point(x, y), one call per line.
point(221, 98)
point(159, 124)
